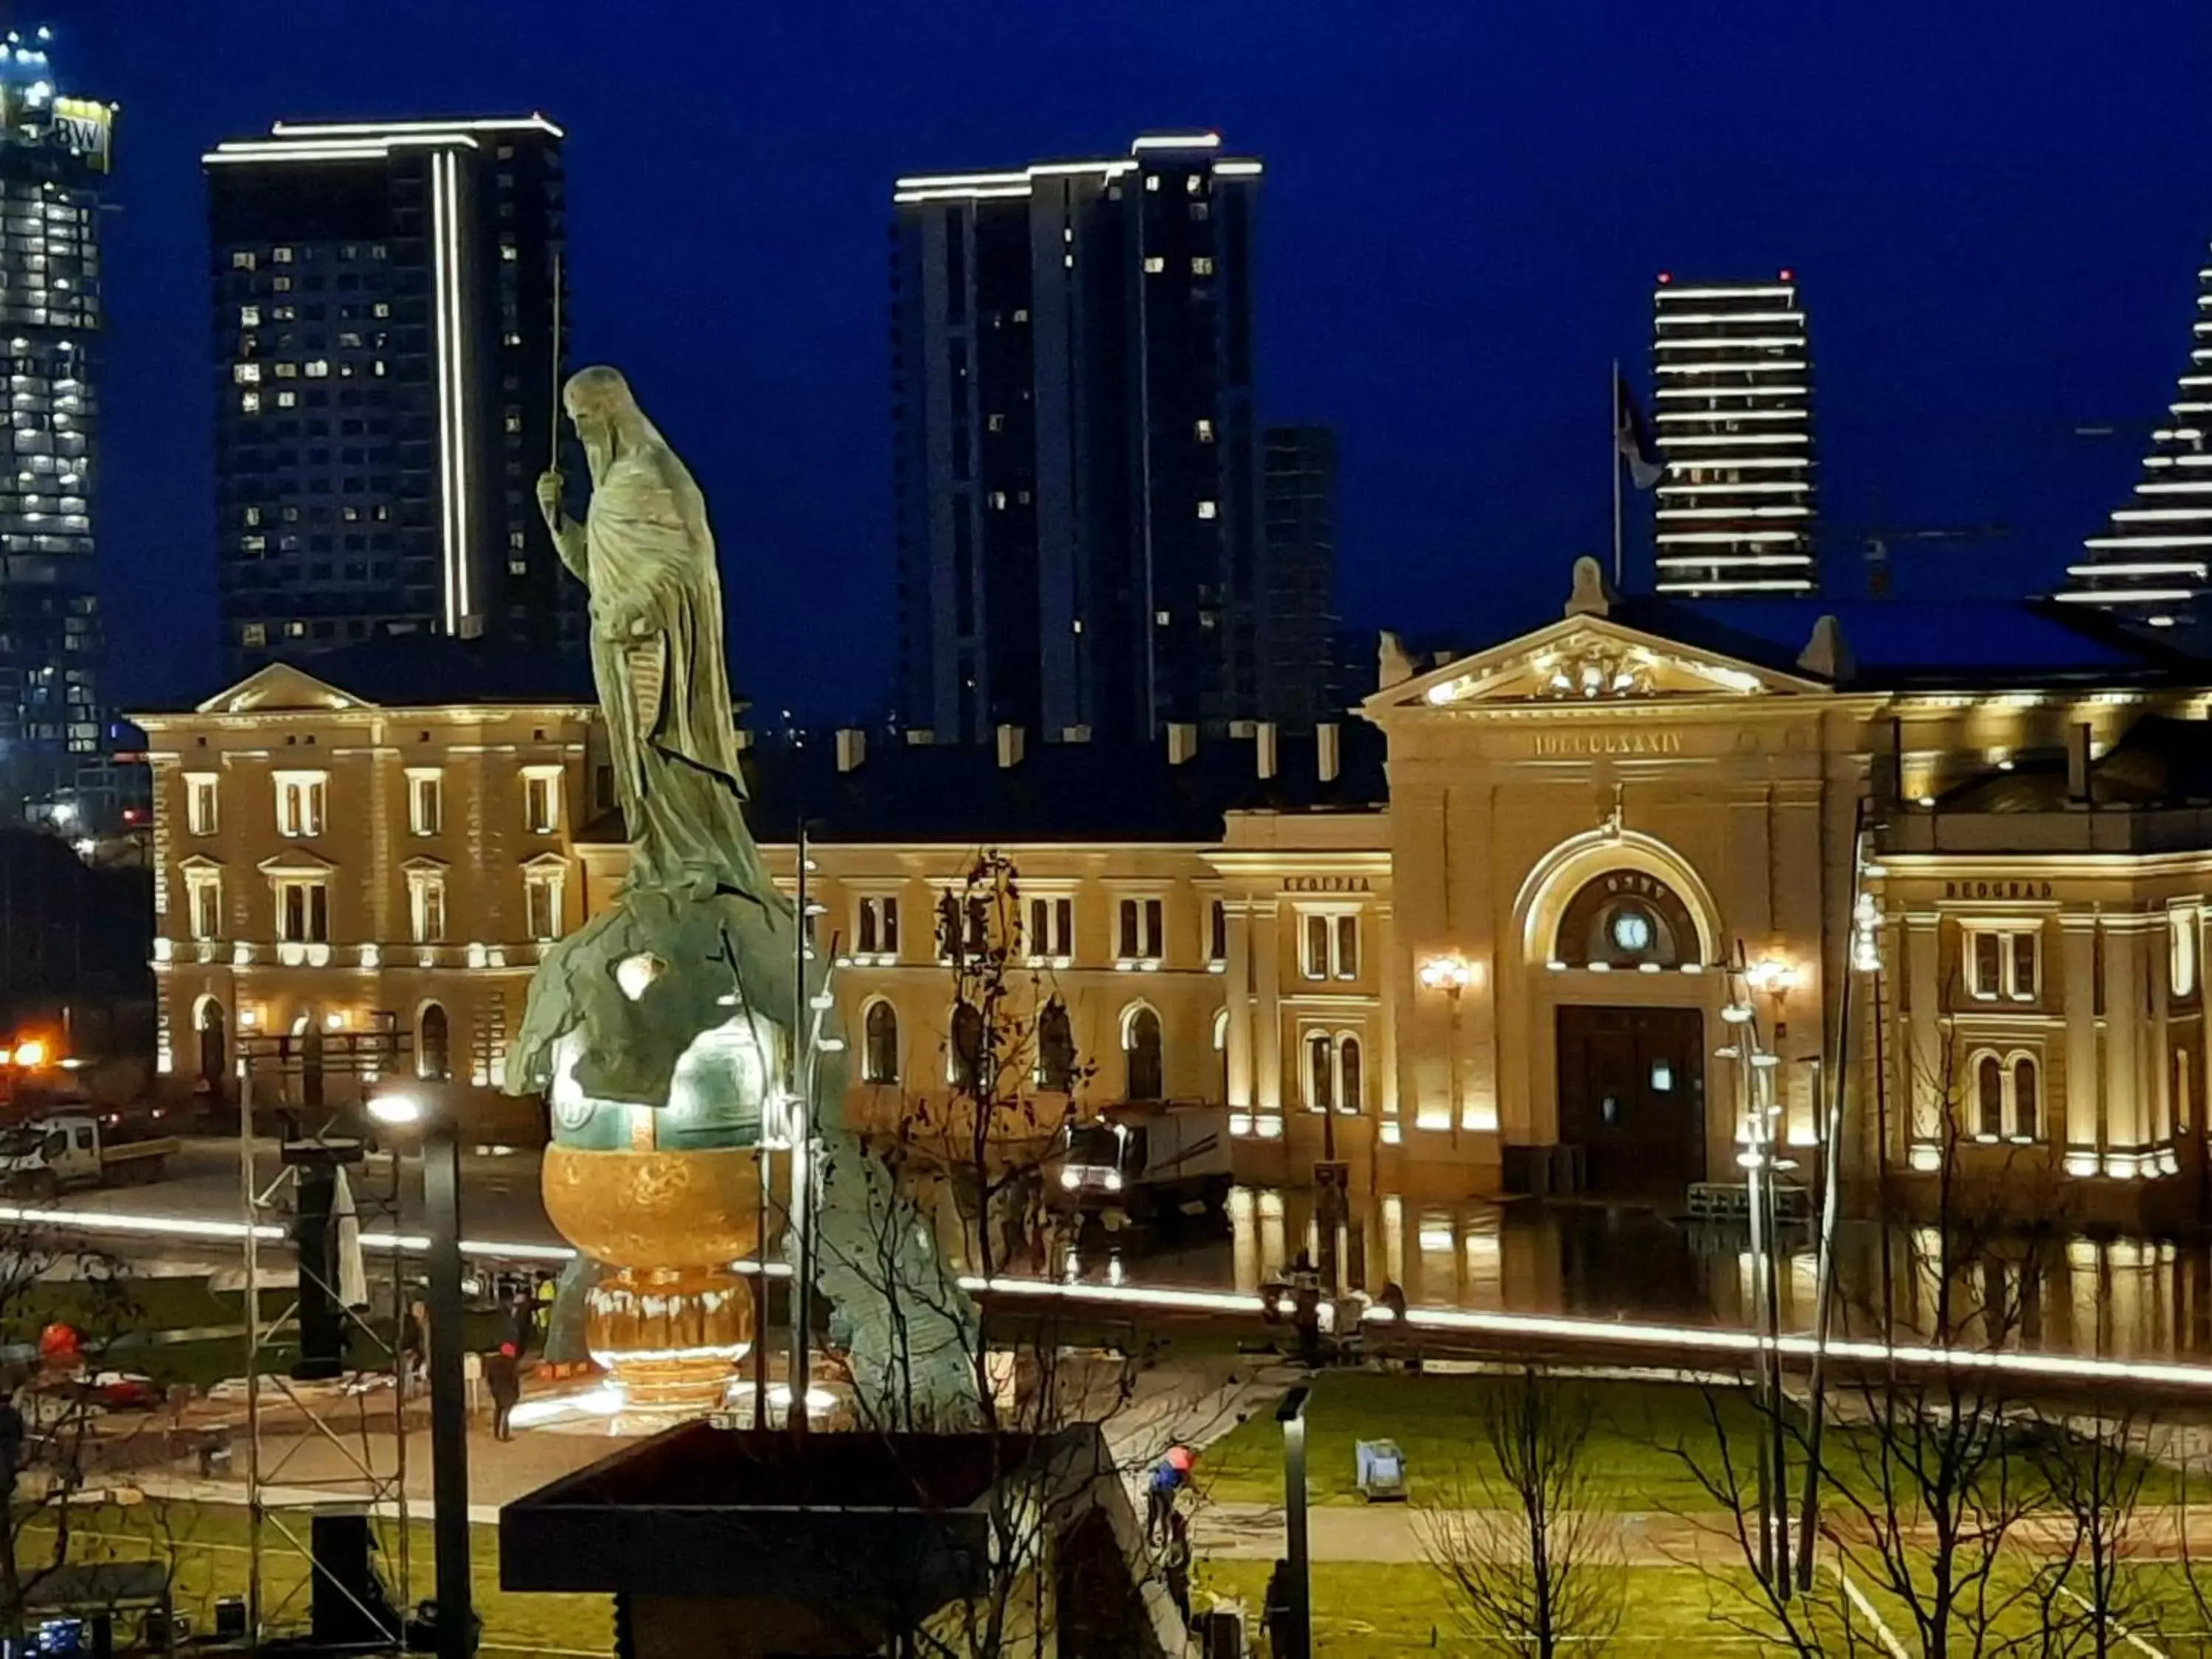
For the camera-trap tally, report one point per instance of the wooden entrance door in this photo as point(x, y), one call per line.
point(1632, 1094)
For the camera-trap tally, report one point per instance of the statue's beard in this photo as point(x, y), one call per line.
point(598, 456)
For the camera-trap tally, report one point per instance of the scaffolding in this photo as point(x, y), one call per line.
point(336, 1446)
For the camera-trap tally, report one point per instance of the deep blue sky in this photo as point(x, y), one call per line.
point(1997, 212)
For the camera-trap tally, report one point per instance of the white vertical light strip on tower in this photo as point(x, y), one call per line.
point(445, 286)
point(462, 566)
point(1732, 418)
point(2163, 588)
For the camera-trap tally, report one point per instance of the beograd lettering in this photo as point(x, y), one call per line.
point(1326, 885)
point(1997, 889)
point(1606, 743)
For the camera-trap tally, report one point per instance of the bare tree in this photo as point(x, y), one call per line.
point(973, 1158)
point(2091, 1471)
point(1530, 1561)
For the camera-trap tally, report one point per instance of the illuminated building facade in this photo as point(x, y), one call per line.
point(384, 297)
point(2150, 566)
point(56, 152)
point(1077, 464)
point(1732, 414)
point(1530, 942)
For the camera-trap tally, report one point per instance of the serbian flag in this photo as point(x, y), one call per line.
point(1632, 436)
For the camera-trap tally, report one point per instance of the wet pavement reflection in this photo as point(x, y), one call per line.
point(2112, 1297)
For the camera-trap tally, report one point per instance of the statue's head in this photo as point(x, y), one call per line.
point(598, 400)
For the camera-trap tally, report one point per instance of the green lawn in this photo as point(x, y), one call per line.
point(208, 1544)
point(1367, 1608)
point(1432, 1418)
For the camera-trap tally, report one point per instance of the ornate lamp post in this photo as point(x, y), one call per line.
point(1451, 974)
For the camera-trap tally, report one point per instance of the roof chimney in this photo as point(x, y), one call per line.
point(2077, 761)
point(1263, 747)
point(1010, 745)
point(1183, 742)
point(852, 747)
point(1328, 757)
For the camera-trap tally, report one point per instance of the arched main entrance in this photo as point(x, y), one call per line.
point(1620, 933)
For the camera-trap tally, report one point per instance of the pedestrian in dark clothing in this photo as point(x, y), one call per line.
point(503, 1378)
point(1275, 1608)
point(1174, 1565)
point(1160, 1498)
point(522, 1319)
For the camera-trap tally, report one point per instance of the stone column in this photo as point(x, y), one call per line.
point(1238, 997)
point(1268, 1006)
point(2078, 986)
point(2156, 1070)
point(1394, 982)
point(1924, 1030)
point(2125, 1128)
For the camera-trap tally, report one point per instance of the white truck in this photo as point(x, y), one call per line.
point(77, 1149)
point(1155, 1159)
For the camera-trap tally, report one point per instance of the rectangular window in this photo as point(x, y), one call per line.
point(1141, 933)
point(1346, 965)
point(199, 802)
point(2003, 964)
point(206, 889)
point(300, 799)
point(1314, 957)
point(1217, 932)
point(1328, 945)
point(1052, 928)
point(877, 928)
point(540, 799)
point(542, 894)
point(303, 911)
point(425, 801)
point(1202, 265)
point(426, 905)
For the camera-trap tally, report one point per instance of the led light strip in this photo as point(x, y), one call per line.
point(453, 432)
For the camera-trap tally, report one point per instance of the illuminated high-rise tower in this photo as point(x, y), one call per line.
point(55, 155)
point(2150, 566)
point(1078, 463)
point(1732, 416)
point(384, 330)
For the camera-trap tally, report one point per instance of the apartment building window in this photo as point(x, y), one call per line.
point(203, 901)
point(1141, 934)
point(303, 910)
point(2003, 963)
point(300, 802)
point(963, 929)
point(1052, 928)
point(1055, 1046)
point(542, 885)
point(426, 800)
point(541, 798)
point(426, 905)
point(199, 802)
point(876, 929)
point(1329, 945)
point(2007, 1092)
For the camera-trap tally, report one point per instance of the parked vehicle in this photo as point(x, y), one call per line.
point(1144, 1159)
point(76, 1148)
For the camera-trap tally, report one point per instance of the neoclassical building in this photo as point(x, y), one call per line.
point(1520, 900)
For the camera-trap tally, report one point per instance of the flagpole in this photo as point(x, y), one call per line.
point(1613, 391)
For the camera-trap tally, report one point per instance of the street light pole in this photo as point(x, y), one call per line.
point(449, 1427)
point(1292, 1414)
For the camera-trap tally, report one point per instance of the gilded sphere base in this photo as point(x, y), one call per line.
point(669, 1321)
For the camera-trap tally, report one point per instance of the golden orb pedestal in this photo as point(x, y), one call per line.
point(670, 1321)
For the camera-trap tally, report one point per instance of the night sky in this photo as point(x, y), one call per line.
point(1996, 213)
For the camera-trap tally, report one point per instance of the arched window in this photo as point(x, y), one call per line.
point(2027, 1108)
point(1055, 1047)
point(214, 1041)
point(1625, 918)
point(879, 1050)
point(1140, 1049)
point(963, 1057)
point(1989, 1095)
point(1348, 1080)
point(1321, 1072)
point(433, 1053)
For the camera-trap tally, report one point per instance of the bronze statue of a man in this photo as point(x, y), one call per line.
point(645, 550)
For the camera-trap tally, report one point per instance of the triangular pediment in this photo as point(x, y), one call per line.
point(1584, 659)
point(278, 687)
point(296, 861)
